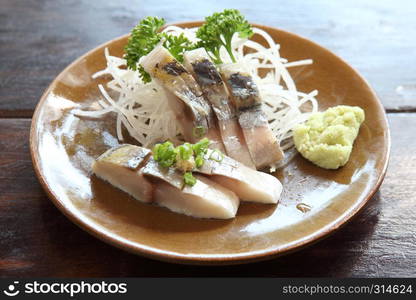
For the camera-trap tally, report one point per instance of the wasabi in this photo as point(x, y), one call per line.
point(326, 139)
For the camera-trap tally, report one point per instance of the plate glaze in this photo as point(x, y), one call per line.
point(63, 147)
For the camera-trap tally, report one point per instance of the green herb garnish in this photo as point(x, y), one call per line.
point(189, 179)
point(216, 155)
point(201, 147)
point(199, 161)
point(177, 45)
point(185, 157)
point(218, 31)
point(164, 154)
point(185, 151)
point(144, 38)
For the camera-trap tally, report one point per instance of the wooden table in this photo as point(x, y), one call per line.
point(39, 38)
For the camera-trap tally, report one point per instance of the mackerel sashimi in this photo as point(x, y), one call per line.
point(205, 72)
point(122, 167)
point(191, 109)
point(205, 199)
point(263, 146)
point(133, 170)
point(248, 184)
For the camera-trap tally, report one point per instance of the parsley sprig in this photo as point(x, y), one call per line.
point(218, 32)
point(145, 36)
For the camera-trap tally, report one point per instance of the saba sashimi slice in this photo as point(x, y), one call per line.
point(205, 199)
point(247, 184)
point(133, 170)
point(121, 166)
point(188, 104)
point(263, 146)
point(202, 68)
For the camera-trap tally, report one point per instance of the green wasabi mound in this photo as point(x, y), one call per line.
point(326, 139)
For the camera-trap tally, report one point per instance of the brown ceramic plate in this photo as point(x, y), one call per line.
point(63, 147)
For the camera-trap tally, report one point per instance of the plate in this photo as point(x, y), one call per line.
point(63, 147)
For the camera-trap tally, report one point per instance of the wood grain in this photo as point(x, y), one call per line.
point(37, 240)
point(39, 38)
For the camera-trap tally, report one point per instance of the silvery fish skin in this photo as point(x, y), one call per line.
point(155, 172)
point(121, 166)
point(189, 106)
point(205, 199)
point(263, 146)
point(248, 184)
point(200, 65)
point(133, 170)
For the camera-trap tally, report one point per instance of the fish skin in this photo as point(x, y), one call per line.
point(173, 76)
point(126, 155)
point(248, 184)
point(198, 63)
point(133, 170)
point(159, 64)
point(155, 172)
point(172, 193)
point(263, 146)
point(125, 161)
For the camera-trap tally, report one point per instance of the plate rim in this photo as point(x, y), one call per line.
point(206, 259)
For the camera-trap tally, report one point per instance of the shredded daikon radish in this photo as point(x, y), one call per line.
point(141, 108)
point(144, 111)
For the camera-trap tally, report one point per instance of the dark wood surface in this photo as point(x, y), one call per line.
point(39, 38)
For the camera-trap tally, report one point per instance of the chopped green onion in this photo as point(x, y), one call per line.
point(185, 151)
point(218, 30)
point(164, 154)
point(201, 147)
point(189, 179)
point(199, 161)
point(199, 131)
point(216, 155)
point(186, 157)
